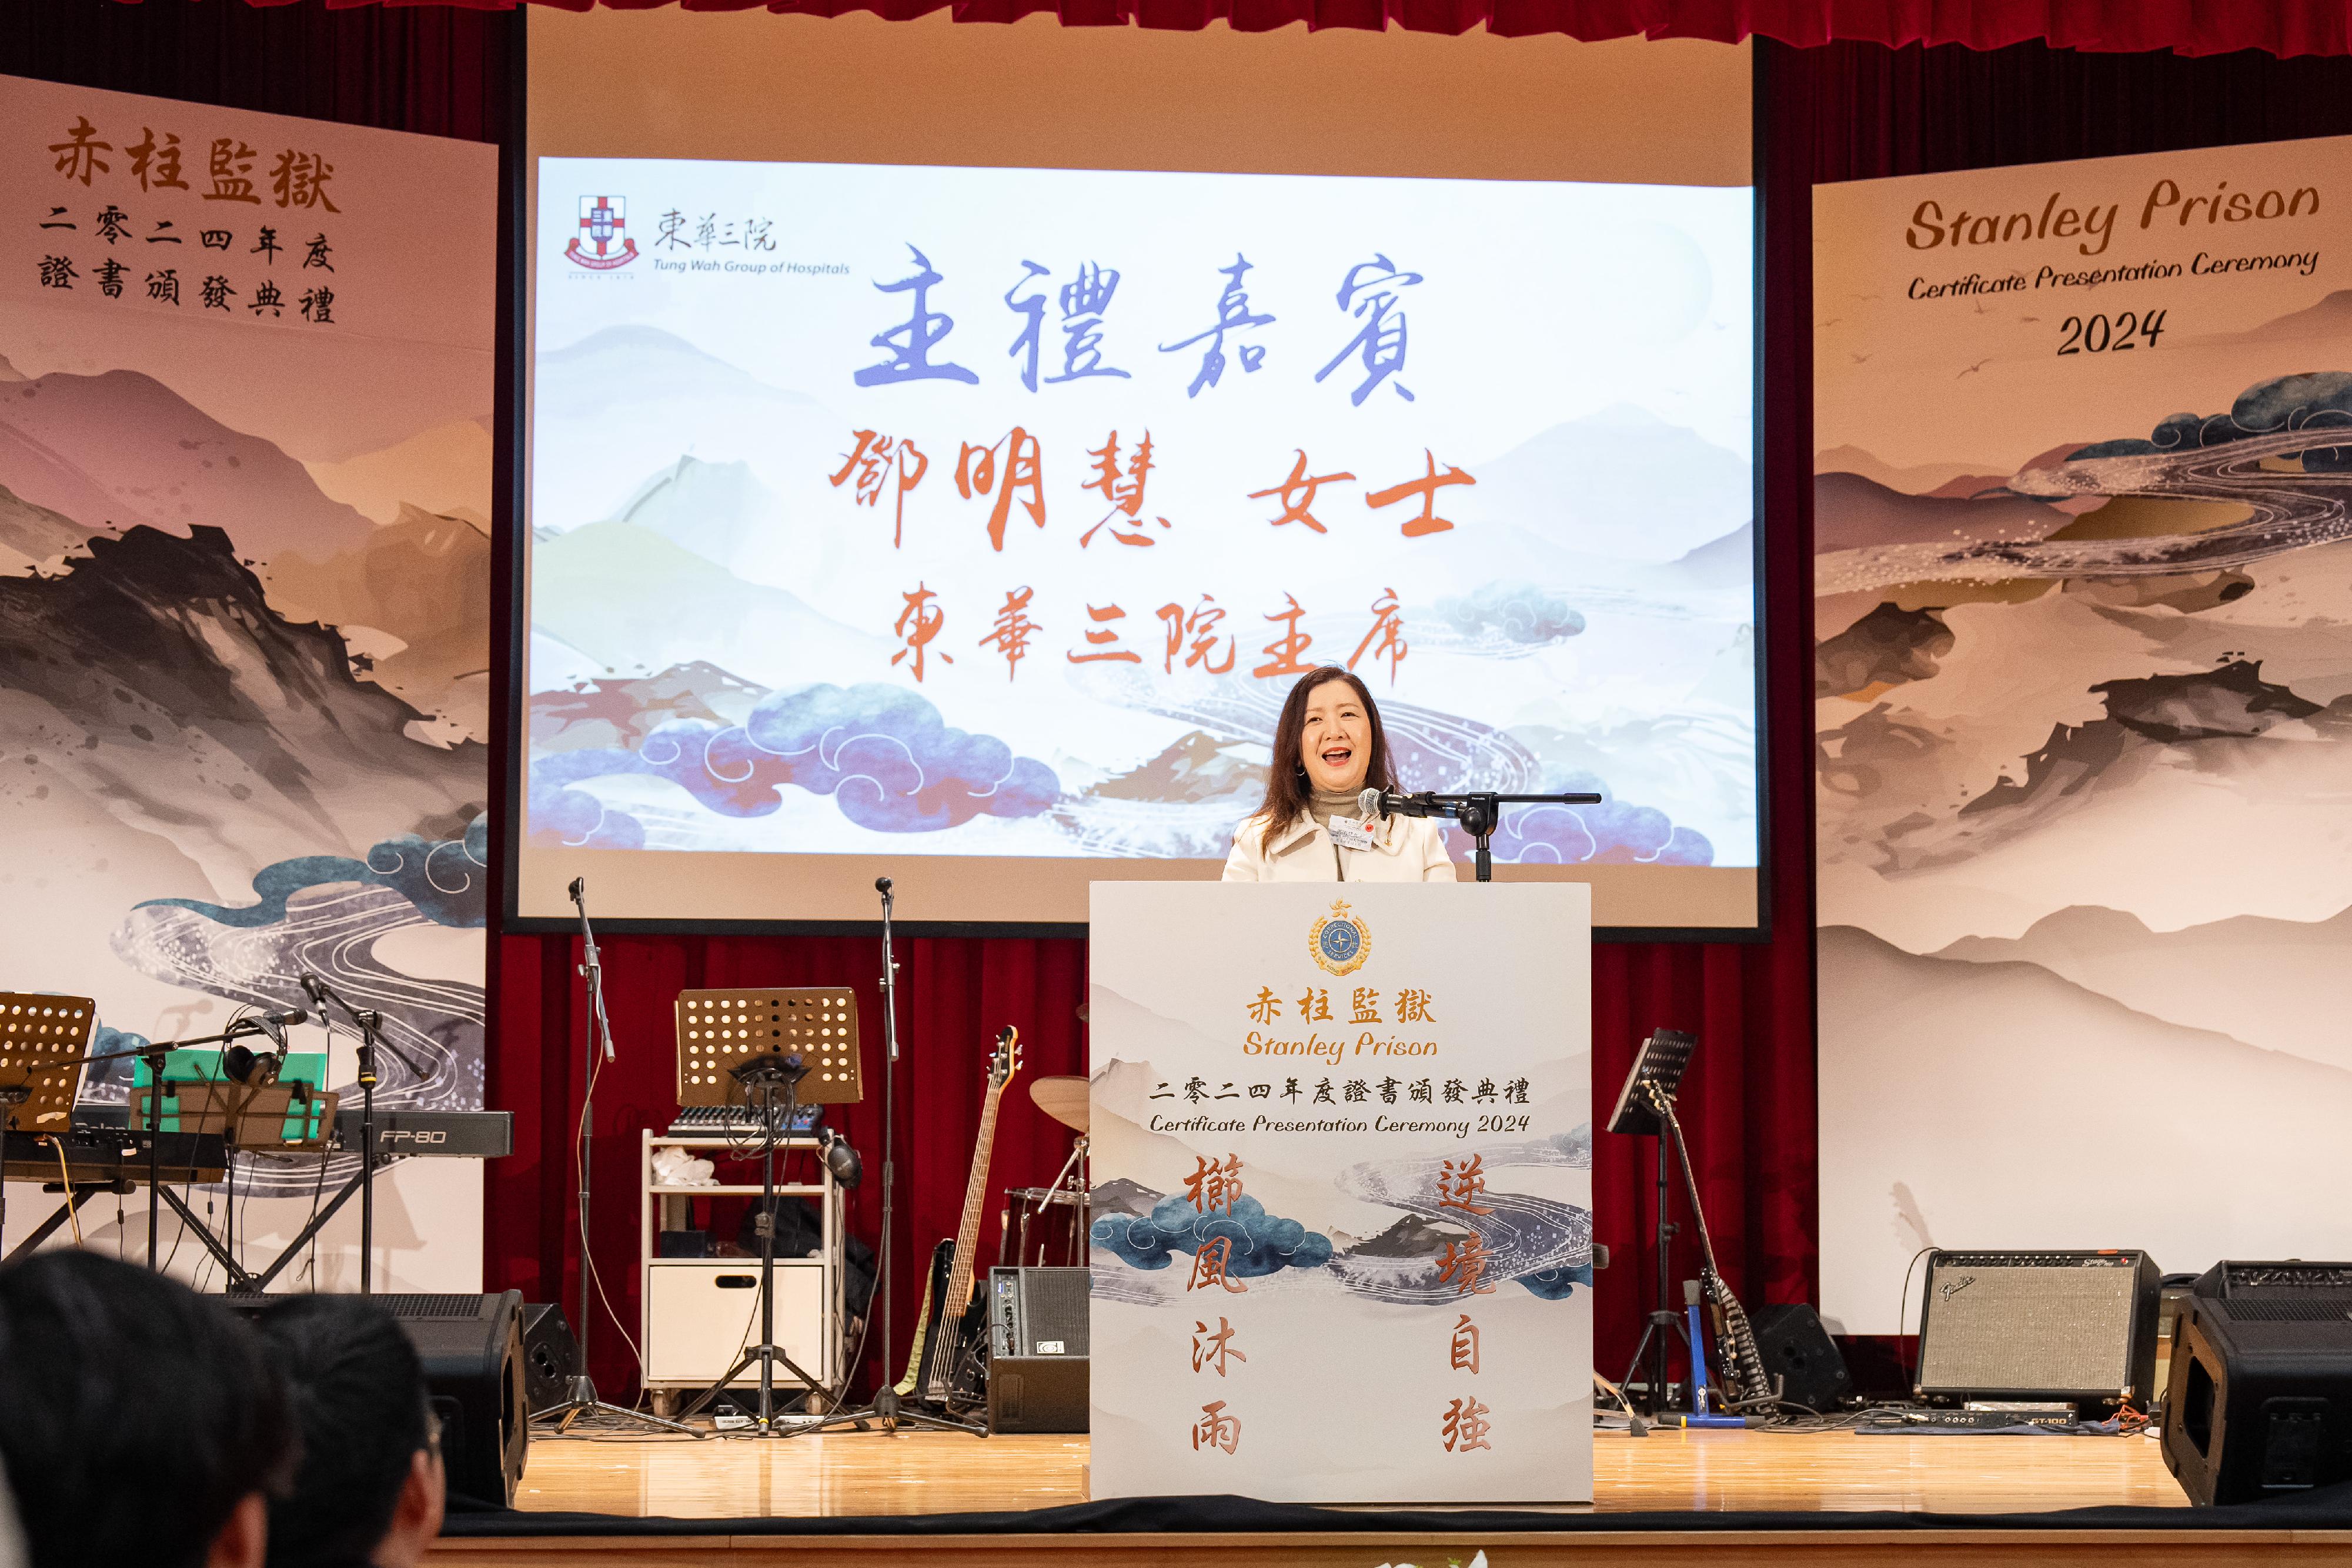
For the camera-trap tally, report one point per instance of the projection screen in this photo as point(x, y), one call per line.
point(948, 444)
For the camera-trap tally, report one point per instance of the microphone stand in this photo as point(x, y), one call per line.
point(1479, 813)
point(580, 1397)
point(370, 1023)
point(885, 1406)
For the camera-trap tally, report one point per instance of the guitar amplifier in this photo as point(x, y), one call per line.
point(1037, 1379)
point(2042, 1326)
point(1037, 1311)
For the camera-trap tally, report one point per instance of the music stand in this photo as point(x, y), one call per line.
point(750, 1047)
point(719, 1030)
point(1658, 1067)
point(42, 1040)
point(251, 1118)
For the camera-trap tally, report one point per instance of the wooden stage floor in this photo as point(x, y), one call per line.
point(946, 1472)
point(872, 1474)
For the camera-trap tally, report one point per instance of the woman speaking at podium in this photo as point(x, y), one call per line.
point(1329, 746)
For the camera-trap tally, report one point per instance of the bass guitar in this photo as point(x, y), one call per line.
point(947, 1365)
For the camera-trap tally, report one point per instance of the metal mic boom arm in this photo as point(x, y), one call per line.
point(1479, 813)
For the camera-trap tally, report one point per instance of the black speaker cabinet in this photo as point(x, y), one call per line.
point(1799, 1353)
point(2073, 1326)
point(550, 1356)
point(1037, 1378)
point(2259, 1403)
point(472, 1349)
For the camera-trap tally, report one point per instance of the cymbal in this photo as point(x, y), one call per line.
point(1063, 1099)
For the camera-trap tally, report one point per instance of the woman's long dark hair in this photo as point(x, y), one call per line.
point(1287, 793)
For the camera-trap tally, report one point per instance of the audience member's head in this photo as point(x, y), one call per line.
point(370, 1488)
point(140, 1422)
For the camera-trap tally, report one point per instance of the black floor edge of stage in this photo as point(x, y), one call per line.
point(2328, 1508)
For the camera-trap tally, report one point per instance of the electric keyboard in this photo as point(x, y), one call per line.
point(447, 1135)
point(114, 1156)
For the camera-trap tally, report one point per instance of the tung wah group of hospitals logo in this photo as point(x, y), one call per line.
point(603, 242)
point(1339, 942)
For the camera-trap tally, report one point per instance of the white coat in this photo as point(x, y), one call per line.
point(1409, 849)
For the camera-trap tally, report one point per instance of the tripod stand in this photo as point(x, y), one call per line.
point(580, 1397)
point(760, 1078)
point(885, 1405)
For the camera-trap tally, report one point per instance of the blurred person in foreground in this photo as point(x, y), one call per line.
point(12, 1539)
point(371, 1490)
point(140, 1423)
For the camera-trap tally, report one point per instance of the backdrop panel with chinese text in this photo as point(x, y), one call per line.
point(246, 381)
point(1342, 1239)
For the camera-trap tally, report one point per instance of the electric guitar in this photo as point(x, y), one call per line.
point(948, 1363)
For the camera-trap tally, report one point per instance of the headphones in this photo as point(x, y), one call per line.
point(242, 1064)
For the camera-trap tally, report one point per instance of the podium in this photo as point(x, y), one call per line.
point(1342, 1150)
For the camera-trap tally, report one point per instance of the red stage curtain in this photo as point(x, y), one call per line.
point(1848, 111)
point(2282, 27)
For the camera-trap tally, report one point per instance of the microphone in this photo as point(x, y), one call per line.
point(1389, 803)
point(316, 990)
point(577, 884)
point(882, 885)
point(274, 1024)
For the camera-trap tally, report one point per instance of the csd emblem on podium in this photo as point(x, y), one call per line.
point(1340, 941)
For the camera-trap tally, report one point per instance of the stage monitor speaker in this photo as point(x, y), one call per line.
point(2072, 1326)
point(1800, 1355)
point(2258, 1401)
point(1037, 1369)
point(551, 1356)
point(474, 1374)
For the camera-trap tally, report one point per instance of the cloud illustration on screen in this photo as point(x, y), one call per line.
point(888, 760)
point(1261, 1243)
point(574, 819)
point(891, 762)
point(1521, 613)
